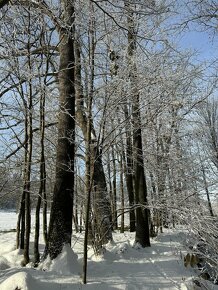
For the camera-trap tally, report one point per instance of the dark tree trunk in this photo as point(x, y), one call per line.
point(101, 203)
point(42, 187)
point(3, 3)
point(122, 194)
point(26, 190)
point(88, 138)
point(21, 224)
point(21, 216)
point(75, 213)
point(60, 227)
point(129, 171)
point(44, 215)
point(126, 168)
point(114, 199)
point(142, 223)
point(37, 228)
point(28, 105)
point(102, 210)
point(109, 180)
point(28, 224)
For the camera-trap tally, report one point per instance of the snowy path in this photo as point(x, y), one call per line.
point(158, 267)
point(122, 266)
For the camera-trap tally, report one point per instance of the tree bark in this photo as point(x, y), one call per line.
point(129, 171)
point(122, 226)
point(101, 203)
point(29, 138)
point(114, 182)
point(21, 224)
point(142, 223)
point(3, 3)
point(60, 227)
point(42, 187)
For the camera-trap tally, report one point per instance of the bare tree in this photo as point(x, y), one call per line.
point(60, 226)
point(205, 13)
point(101, 204)
point(142, 223)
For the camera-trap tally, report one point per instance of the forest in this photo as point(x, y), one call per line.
point(109, 124)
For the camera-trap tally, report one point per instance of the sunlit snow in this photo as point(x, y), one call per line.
point(121, 266)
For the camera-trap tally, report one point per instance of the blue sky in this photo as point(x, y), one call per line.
point(203, 42)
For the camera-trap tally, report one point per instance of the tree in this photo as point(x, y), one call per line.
point(142, 222)
point(42, 197)
point(102, 210)
point(208, 113)
point(131, 95)
point(60, 226)
point(205, 13)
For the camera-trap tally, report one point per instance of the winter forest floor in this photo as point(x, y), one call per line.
point(121, 267)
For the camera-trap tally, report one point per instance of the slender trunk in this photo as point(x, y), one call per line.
point(42, 187)
point(20, 240)
point(44, 217)
point(88, 190)
point(27, 186)
point(129, 171)
point(81, 219)
point(122, 194)
point(75, 214)
point(114, 200)
point(29, 155)
point(109, 180)
point(37, 227)
point(43, 171)
point(154, 220)
point(207, 191)
point(89, 170)
point(21, 224)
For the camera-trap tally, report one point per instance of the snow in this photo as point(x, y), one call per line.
point(20, 280)
point(121, 266)
point(65, 264)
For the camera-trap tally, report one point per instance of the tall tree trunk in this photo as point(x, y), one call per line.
point(60, 226)
point(142, 223)
point(76, 202)
point(129, 170)
point(101, 203)
point(154, 220)
point(42, 187)
point(114, 199)
point(122, 193)
point(109, 179)
point(89, 169)
point(20, 239)
point(29, 153)
point(126, 167)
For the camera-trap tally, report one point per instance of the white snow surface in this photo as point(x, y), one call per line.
point(122, 266)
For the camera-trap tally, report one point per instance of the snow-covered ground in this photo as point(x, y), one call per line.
point(121, 267)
